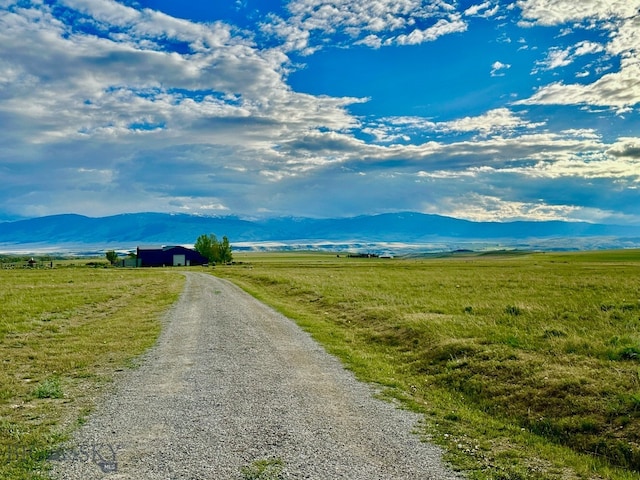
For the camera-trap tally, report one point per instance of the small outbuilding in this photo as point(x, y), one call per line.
point(169, 256)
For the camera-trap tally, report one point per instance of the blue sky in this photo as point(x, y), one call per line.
point(483, 110)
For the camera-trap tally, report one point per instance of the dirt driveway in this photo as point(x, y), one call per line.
point(233, 388)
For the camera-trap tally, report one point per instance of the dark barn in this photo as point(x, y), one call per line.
point(170, 256)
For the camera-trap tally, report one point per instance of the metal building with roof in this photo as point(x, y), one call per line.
point(169, 256)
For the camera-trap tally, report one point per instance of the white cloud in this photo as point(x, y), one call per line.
point(373, 23)
point(111, 104)
point(499, 121)
point(557, 57)
point(558, 12)
point(619, 90)
point(587, 48)
point(497, 68)
point(442, 27)
point(485, 208)
point(89, 86)
point(199, 205)
point(573, 154)
point(384, 134)
point(484, 10)
point(626, 147)
point(105, 11)
point(372, 41)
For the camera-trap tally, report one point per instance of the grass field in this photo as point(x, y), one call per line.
point(525, 366)
point(64, 332)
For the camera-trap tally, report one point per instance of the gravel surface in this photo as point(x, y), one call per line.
point(232, 382)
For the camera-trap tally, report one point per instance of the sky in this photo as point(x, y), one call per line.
point(486, 110)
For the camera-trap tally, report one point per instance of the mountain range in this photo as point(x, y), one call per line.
point(383, 231)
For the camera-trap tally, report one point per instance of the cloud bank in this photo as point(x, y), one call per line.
point(109, 107)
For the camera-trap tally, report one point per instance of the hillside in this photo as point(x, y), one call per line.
point(404, 227)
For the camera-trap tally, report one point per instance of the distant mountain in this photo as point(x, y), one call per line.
point(404, 227)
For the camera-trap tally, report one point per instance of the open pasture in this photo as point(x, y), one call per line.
point(64, 332)
point(525, 365)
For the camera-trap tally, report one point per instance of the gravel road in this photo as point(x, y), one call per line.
point(232, 382)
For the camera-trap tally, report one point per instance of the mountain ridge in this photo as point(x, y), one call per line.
point(406, 227)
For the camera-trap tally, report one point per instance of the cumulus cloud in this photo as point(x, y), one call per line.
point(87, 85)
point(497, 121)
point(558, 12)
point(626, 147)
point(558, 57)
point(618, 90)
point(497, 68)
point(374, 23)
point(488, 207)
point(441, 27)
point(118, 95)
point(482, 208)
point(485, 10)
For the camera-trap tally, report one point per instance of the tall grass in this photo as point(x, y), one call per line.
point(525, 366)
point(63, 334)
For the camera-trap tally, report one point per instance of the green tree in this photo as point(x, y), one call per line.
point(225, 250)
point(215, 251)
point(204, 246)
point(111, 256)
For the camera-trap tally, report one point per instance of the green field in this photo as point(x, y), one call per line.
point(525, 365)
point(64, 332)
